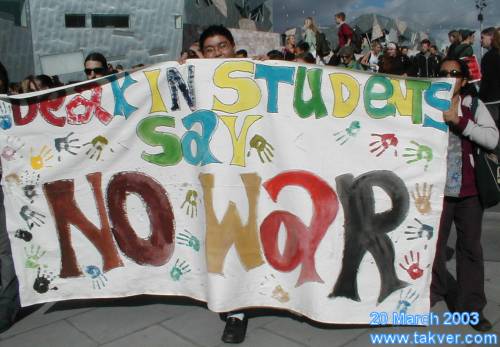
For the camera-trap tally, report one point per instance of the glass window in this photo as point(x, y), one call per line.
point(110, 21)
point(75, 20)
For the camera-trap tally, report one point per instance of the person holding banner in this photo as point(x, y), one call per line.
point(489, 90)
point(470, 125)
point(217, 42)
point(96, 66)
point(9, 291)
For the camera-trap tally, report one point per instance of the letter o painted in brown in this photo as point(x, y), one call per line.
point(159, 247)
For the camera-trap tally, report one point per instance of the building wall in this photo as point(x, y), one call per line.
point(151, 37)
point(16, 53)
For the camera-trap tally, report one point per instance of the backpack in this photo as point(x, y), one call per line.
point(357, 40)
point(487, 170)
point(322, 45)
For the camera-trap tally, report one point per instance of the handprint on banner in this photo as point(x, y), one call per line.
point(262, 147)
point(5, 115)
point(29, 181)
point(345, 135)
point(33, 255)
point(24, 235)
point(179, 269)
point(383, 142)
point(39, 161)
point(423, 198)
point(31, 217)
point(188, 239)
point(65, 144)
point(421, 152)
point(423, 231)
point(12, 181)
point(13, 146)
point(278, 292)
point(413, 266)
point(407, 300)
point(42, 282)
point(192, 203)
point(98, 278)
point(97, 146)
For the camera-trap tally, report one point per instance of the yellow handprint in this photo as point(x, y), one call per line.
point(39, 161)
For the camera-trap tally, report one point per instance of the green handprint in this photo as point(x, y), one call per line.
point(179, 269)
point(262, 146)
point(192, 207)
point(33, 256)
point(188, 239)
point(421, 152)
point(345, 135)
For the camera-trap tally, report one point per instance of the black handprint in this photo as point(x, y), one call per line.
point(65, 144)
point(31, 217)
point(42, 282)
point(23, 235)
point(30, 181)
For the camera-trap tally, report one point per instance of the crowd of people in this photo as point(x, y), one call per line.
point(469, 125)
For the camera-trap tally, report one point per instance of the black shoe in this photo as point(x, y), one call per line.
point(235, 330)
point(483, 324)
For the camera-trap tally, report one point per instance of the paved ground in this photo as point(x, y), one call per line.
point(177, 322)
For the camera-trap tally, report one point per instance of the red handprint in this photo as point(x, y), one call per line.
point(413, 269)
point(383, 143)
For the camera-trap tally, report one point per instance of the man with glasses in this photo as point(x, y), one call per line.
point(96, 66)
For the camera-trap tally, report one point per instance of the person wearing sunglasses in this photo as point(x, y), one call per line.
point(470, 124)
point(96, 66)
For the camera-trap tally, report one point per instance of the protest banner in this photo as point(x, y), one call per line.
point(236, 182)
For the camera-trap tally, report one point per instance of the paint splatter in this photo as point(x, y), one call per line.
point(349, 133)
point(423, 231)
point(42, 282)
point(419, 153)
point(66, 144)
point(192, 203)
point(188, 239)
point(39, 161)
point(262, 147)
point(412, 266)
point(30, 181)
point(33, 256)
point(179, 269)
point(382, 143)
point(422, 198)
point(406, 300)
point(98, 278)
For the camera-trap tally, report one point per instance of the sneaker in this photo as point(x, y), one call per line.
point(235, 330)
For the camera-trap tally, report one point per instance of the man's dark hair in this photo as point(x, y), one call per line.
point(425, 41)
point(488, 31)
point(96, 56)
point(214, 30)
point(303, 46)
point(4, 80)
point(242, 52)
point(307, 57)
point(45, 81)
point(340, 15)
point(275, 55)
point(434, 46)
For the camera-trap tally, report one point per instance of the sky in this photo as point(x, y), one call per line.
point(436, 16)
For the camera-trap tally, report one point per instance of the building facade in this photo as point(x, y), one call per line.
point(56, 35)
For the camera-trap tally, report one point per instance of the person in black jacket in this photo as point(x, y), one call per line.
point(489, 90)
point(425, 64)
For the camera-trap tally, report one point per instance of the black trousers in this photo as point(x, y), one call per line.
point(468, 289)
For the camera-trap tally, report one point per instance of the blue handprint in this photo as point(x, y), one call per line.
point(405, 302)
point(188, 239)
point(98, 278)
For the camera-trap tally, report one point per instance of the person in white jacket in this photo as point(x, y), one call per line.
point(470, 124)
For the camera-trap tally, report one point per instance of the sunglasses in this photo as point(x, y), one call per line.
point(97, 71)
point(452, 73)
